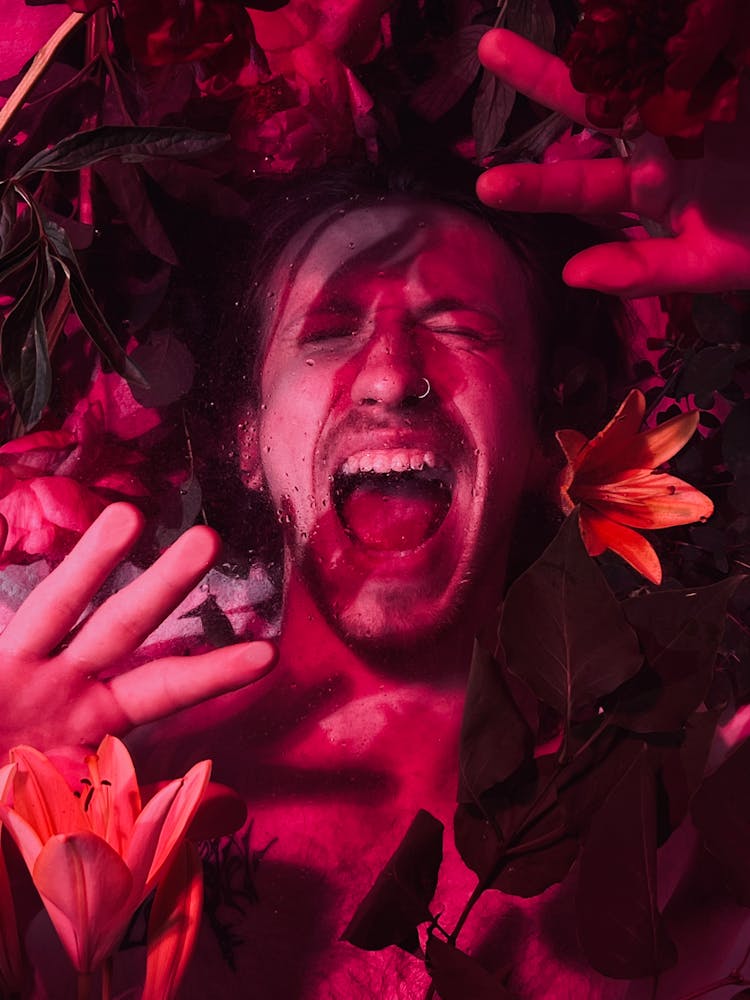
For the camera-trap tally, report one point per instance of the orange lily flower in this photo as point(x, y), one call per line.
point(95, 855)
point(613, 480)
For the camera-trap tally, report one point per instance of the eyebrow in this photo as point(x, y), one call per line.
point(449, 304)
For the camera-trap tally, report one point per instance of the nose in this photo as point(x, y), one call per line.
point(391, 369)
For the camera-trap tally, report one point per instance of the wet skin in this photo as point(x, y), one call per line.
point(367, 306)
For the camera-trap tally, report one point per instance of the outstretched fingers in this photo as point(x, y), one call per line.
point(55, 605)
point(647, 267)
point(581, 187)
point(155, 690)
point(533, 71)
point(124, 620)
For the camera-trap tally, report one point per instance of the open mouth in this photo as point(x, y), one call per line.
point(392, 500)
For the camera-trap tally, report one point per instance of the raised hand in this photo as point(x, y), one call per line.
point(703, 203)
point(58, 685)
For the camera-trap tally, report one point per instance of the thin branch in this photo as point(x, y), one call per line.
point(37, 69)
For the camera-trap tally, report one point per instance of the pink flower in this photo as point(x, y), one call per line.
point(612, 477)
point(96, 854)
point(53, 484)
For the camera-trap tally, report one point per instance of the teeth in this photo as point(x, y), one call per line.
point(385, 461)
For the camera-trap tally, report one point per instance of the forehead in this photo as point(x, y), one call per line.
point(434, 251)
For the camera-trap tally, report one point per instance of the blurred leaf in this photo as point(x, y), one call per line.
point(495, 739)
point(217, 628)
point(715, 320)
point(619, 925)
point(86, 308)
point(564, 632)
point(168, 366)
point(721, 812)
point(458, 68)
point(129, 195)
point(736, 440)
point(130, 143)
point(587, 781)
point(492, 108)
point(457, 975)
point(679, 632)
point(709, 369)
point(400, 898)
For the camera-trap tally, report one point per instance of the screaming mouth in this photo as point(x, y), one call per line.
point(392, 500)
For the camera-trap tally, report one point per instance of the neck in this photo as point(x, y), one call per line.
point(312, 651)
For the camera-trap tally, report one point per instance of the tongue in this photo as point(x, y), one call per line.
point(391, 518)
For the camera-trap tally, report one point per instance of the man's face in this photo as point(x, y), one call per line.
point(397, 414)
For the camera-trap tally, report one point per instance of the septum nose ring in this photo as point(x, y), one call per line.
point(427, 388)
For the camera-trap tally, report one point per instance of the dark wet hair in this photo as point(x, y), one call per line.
point(582, 333)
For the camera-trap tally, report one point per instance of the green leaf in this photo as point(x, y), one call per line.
point(87, 310)
point(400, 898)
point(563, 631)
point(130, 143)
point(620, 928)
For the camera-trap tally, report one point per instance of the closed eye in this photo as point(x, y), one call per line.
point(464, 323)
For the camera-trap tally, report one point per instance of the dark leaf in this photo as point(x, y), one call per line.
point(742, 995)
point(130, 143)
point(458, 976)
point(459, 66)
point(492, 108)
point(564, 632)
point(87, 310)
point(217, 629)
point(517, 840)
point(534, 19)
point(679, 632)
point(23, 345)
point(715, 320)
point(721, 812)
point(683, 767)
point(735, 437)
point(709, 370)
point(400, 898)
point(17, 249)
point(168, 366)
point(495, 739)
point(130, 197)
point(619, 925)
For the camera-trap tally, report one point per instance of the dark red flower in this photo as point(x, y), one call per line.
point(674, 63)
point(164, 32)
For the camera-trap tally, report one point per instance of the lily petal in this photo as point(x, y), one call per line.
point(600, 458)
point(117, 801)
point(654, 500)
point(42, 796)
point(600, 533)
point(162, 824)
point(173, 924)
point(26, 838)
point(653, 447)
point(84, 884)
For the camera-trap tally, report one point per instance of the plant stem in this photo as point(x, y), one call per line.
point(35, 72)
point(107, 979)
point(84, 986)
point(96, 43)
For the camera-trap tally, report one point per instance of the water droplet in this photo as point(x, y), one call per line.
point(309, 362)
